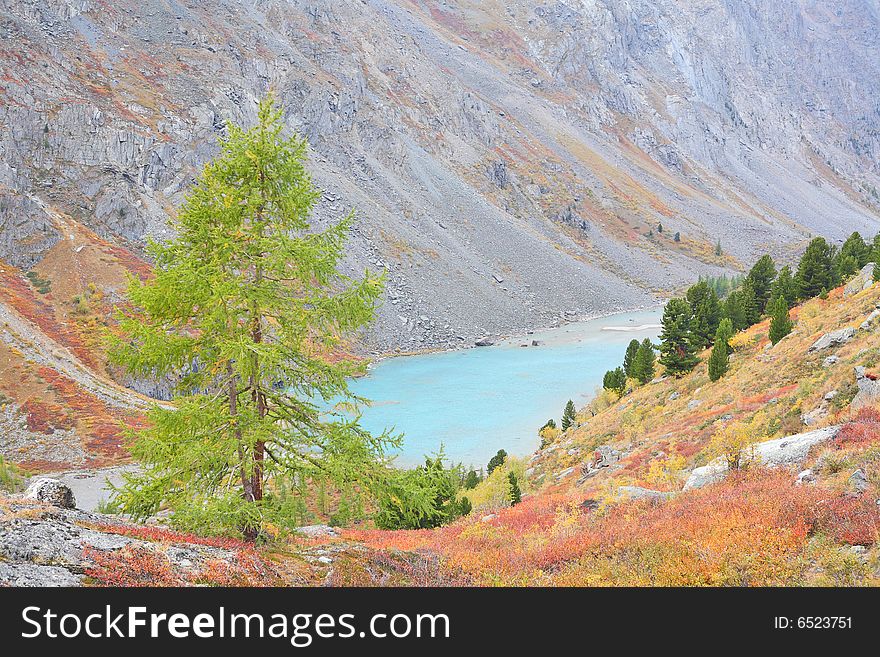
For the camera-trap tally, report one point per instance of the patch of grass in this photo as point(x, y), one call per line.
point(11, 478)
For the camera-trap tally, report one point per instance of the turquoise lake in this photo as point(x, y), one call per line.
point(477, 401)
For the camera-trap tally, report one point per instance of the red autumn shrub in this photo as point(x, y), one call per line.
point(863, 428)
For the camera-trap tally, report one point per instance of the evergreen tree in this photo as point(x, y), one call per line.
point(677, 237)
point(780, 324)
point(515, 494)
point(854, 248)
point(706, 313)
point(549, 424)
point(814, 274)
point(734, 311)
point(659, 227)
point(725, 333)
point(749, 303)
point(401, 507)
point(464, 506)
point(628, 359)
point(615, 380)
point(875, 256)
point(496, 461)
point(718, 251)
point(761, 277)
point(247, 295)
point(677, 350)
point(643, 364)
point(719, 360)
point(784, 286)
point(471, 480)
point(568, 415)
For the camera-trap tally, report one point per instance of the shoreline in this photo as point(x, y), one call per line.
point(374, 360)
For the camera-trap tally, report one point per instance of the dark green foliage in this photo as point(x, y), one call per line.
point(855, 248)
point(723, 285)
point(749, 302)
point(724, 333)
point(780, 324)
point(464, 506)
point(471, 480)
point(719, 360)
point(784, 286)
point(643, 364)
point(515, 494)
point(761, 278)
point(551, 423)
point(659, 228)
point(615, 380)
point(718, 251)
point(403, 505)
point(630, 356)
point(677, 350)
point(705, 314)
point(496, 461)
point(677, 237)
point(42, 285)
point(734, 311)
point(253, 294)
point(814, 273)
point(568, 415)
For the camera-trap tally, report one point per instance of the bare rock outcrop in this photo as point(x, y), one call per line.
point(787, 452)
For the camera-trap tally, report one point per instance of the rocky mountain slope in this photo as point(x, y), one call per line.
point(509, 162)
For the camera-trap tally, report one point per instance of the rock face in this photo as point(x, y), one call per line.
point(51, 491)
point(488, 191)
point(833, 339)
point(861, 281)
point(605, 456)
point(869, 390)
point(787, 452)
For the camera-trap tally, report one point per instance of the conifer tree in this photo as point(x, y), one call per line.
point(568, 415)
point(718, 250)
point(496, 461)
point(780, 324)
point(725, 332)
point(615, 380)
point(784, 286)
point(719, 360)
point(749, 303)
point(628, 359)
point(515, 494)
point(245, 297)
point(677, 350)
point(734, 311)
point(706, 313)
point(761, 277)
point(855, 248)
point(814, 274)
point(643, 364)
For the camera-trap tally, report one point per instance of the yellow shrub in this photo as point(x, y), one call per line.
point(493, 492)
point(735, 441)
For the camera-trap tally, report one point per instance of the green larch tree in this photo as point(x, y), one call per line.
point(247, 304)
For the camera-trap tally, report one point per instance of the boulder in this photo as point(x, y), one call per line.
point(869, 390)
point(833, 339)
point(484, 342)
point(861, 281)
point(316, 531)
point(830, 360)
point(639, 493)
point(858, 482)
point(870, 320)
point(51, 491)
point(789, 451)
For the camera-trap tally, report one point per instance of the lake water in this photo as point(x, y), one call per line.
point(477, 401)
